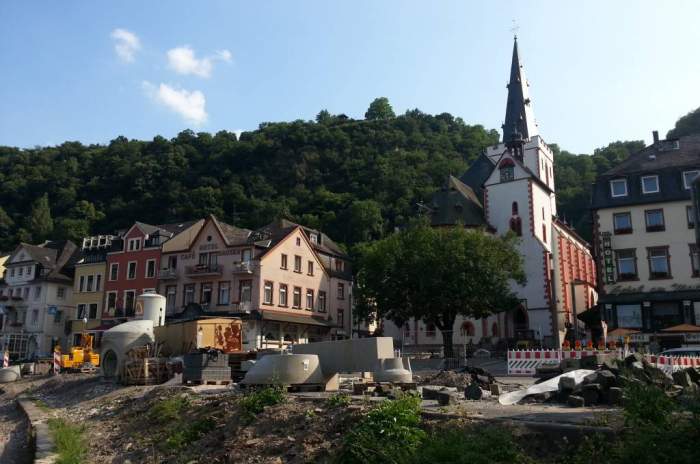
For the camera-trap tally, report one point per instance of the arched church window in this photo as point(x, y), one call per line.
point(507, 169)
point(514, 208)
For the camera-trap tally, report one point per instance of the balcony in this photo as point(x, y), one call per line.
point(167, 274)
point(241, 307)
point(244, 267)
point(201, 270)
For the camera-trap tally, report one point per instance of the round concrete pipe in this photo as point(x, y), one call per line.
point(120, 339)
point(285, 369)
point(9, 374)
point(393, 370)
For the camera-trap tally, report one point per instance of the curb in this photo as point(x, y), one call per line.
point(44, 448)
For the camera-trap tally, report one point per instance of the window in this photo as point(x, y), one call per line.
point(81, 283)
point(298, 241)
point(283, 264)
point(131, 270)
point(467, 329)
point(170, 297)
point(205, 297)
point(659, 263)
point(26, 293)
point(339, 265)
point(134, 244)
point(311, 268)
point(688, 177)
point(629, 316)
point(93, 311)
point(21, 271)
point(224, 293)
point(189, 294)
point(430, 330)
point(203, 259)
point(516, 225)
point(309, 299)
point(150, 268)
point(618, 188)
point(57, 317)
point(98, 282)
point(654, 219)
point(544, 233)
point(297, 264)
point(82, 311)
point(341, 291)
point(90, 283)
point(35, 316)
point(296, 301)
point(172, 262)
point(113, 271)
point(694, 260)
point(321, 301)
point(37, 292)
point(111, 302)
point(246, 255)
point(129, 297)
point(283, 295)
point(341, 317)
point(313, 238)
point(507, 170)
point(622, 223)
point(267, 293)
point(650, 184)
point(626, 264)
point(246, 291)
point(690, 216)
point(60, 293)
point(12, 272)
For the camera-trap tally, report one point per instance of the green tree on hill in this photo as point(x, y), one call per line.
point(40, 221)
point(686, 125)
point(380, 109)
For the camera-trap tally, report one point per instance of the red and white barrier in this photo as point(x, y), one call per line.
point(526, 362)
point(6, 359)
point(56, 362)
point(671, 364)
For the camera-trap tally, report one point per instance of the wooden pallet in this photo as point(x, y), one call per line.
point(146, 371)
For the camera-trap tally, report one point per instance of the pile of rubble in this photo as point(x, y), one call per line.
point(605, 384)
point(446, 386)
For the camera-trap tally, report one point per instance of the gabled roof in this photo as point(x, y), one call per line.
point(231, 235)
point(280, 228)
point(456, 203)
point(57, 257)
point(177, 227)
point(661, 155)
point(477, 173)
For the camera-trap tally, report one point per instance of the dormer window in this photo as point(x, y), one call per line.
point(618, 188)
point(688, 178)
point(650, 184)
point(134, 244)
point(507, 169)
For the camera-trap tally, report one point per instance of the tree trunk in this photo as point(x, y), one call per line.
point(447, 345)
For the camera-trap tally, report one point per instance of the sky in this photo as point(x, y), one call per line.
point(90, 71)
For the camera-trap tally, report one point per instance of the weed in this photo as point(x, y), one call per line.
point(645, 404)
point(390, 433)
point(168, 410)
point(189, 432)
point(255, 402)
point(339, 400)
point(42, 405)
point(71, 445)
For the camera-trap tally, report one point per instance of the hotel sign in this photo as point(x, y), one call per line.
point(608, 262)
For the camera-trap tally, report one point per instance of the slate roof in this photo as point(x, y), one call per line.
point(477, 173)
point(660, 158)
point(177, 227)
point(57, 257)
point(456, 203)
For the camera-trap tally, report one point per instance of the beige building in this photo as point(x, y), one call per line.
point(645, 240)
point(290, 284)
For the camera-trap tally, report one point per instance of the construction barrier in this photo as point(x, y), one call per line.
point(56, 362)
point(526, 362)
point(671, 364)
point(6, 359)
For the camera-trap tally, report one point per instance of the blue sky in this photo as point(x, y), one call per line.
point(599, 70)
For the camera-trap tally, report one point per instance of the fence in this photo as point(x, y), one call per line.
point(526, 362)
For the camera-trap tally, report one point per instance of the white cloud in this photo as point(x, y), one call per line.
point(126, 44)
point(184, 61)
point(189, 105)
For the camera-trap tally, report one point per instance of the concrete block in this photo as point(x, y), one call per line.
point(591, 394)
point(474, 392)
point(446, 398)
point(567, 383)
point(575, 401)
point(495, 389)
point(353, 355)
point(681, 378)
point(615, 396)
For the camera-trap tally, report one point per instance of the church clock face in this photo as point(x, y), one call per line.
point(507, 173)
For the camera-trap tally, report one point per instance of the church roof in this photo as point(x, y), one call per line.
point(476, 175)
point(456, 203)
point(520, 118)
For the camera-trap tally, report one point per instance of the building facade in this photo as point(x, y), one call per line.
point(36, 298)
point(510, 187)
point(645, 240)
point(290, 284)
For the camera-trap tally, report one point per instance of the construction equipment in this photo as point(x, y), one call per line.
point(81, 358)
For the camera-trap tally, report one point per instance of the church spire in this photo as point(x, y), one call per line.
point(520, 124)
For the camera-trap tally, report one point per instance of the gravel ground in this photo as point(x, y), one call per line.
point(14, 439)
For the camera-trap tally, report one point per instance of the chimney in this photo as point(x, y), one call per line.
point(656, 137)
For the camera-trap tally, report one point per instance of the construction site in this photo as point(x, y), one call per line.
point(187, 393)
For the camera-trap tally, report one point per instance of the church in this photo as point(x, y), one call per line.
point(510, 187)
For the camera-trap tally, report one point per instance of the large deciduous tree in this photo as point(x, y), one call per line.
point(686, 125)
point(40, 221)
point(437, 274)
point(380, 108)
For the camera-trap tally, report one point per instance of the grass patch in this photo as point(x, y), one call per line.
point(168, 410)
point(190, 432)
point(42, 405)
point(255, 402)
point(71, 444)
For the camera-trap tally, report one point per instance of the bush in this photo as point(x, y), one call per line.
point(255, 402)
point(189, 432)
point(484, 445)
point(338, 400)
point(389, 434)
point(646, 404)
point(71, 445)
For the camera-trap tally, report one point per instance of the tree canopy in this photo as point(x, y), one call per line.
point(436, 274)
point(380, 108)
point(686, 125)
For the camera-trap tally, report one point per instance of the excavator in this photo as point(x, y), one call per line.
point(81, 358)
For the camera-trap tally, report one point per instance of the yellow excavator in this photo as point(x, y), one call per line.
point(81, 358)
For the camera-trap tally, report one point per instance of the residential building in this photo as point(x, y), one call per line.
point(35, 298)
point(289, 283)
point(510, 187)
point(133, 268)
point(644, 228)
point(88, 285)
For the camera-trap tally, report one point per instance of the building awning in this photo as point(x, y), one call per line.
point(622, 332)
point(682, 328)
point(294, 319)
point(637, 297)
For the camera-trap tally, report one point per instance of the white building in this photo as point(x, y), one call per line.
point(511, 187)
point(36, 298)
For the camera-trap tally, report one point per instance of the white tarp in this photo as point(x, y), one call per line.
point(546, 386)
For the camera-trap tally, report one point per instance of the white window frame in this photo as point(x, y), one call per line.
point(61, 293)
point(98, 282)
point(644, 190)
point(130, 247)
point(154, 269)
point(310, 293)
point(85, 310)
point(112, 266)
point(685, 178)
point(128, 265)
point(283, 289)
point(89, 288)
point(612, 190)
point(268, 285)
point(227, 287)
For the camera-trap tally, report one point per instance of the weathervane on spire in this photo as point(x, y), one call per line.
point(515, 29)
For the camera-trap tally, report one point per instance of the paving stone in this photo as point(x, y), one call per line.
point(575, 401)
